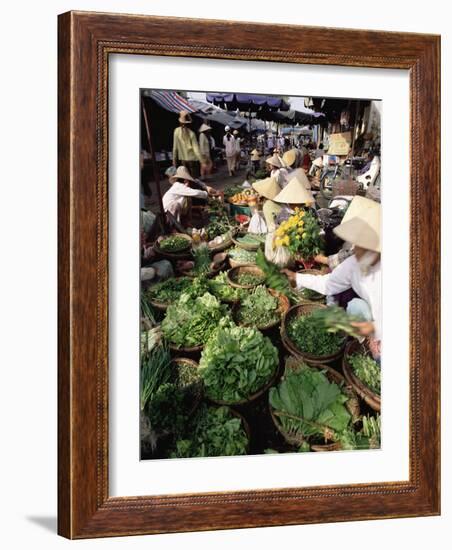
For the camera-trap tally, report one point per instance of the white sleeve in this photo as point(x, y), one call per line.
point(189, 192)
point(331, 283)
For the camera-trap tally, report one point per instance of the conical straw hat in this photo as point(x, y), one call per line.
point(204, 128)
point(363, 229)
point(301, 176)
point(358, 207)
point(267, 188)
point(295, 193)
point(184, 117)
point(181, 173)
point(289, 157)
point(274, 161)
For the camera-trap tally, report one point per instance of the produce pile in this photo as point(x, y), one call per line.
point(367, 370)
point(309, 337)
point(248, 278)
point(168, 291)
point(251, 239)
point(190, 321)
point(245, 196)
point(258, 309)
point(237, 362)
point(174, 243)
point(220, 288)
point(242, 256)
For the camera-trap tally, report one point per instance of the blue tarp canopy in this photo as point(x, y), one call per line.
point(255, 103)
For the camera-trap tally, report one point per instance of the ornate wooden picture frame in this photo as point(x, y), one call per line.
point(86, 41)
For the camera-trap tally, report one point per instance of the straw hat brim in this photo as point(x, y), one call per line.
point(289, 157)
point(295, 193)
point(274, 161)
point(360, 233)
point(267, 188)
point(181, 173)
point(359, 206)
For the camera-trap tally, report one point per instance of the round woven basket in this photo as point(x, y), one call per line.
point(283, 306)
point(176, 255)
point(197, 387)
point(221, 246)
point(311, 359)
point(160, 305)
point(193, 349)
point(352, 405)
point(370, 397)
point(234, 273)
point(252, 397)
point(209, 274)
point(234, 263)
point(245, 246)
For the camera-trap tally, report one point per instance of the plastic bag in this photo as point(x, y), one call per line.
point(279, 255)
point(257, 224)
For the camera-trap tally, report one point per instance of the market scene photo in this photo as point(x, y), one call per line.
point(260, 273)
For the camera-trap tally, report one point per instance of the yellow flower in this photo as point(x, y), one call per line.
point(285, 240)
point(278, 242)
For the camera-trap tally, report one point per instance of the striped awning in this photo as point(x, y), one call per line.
point(171, 101)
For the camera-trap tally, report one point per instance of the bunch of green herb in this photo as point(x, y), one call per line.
point(335, 319)
point(213, 432)
point(201, 257)
point(242, 256)
point(311, 338)
point(147, 311)
point(174, 243)
point(369, 437)
point(167, 409)
point(168, 291)
point(309, 294)
point(198, 287)
point(155, 371)
point(367, 370)
point(258, 309)
point(309, 405)
point(220, 288)
point(190, 321)
point(274, 278)
point(236, 362)
point(247, 278)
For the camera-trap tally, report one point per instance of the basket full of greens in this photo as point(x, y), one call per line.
point(219, 287)
point(262, 308)
point(312, 406)
point(303, 336)
point(239, 256)
point(213, 431)
point(245, 276)
point(237, 365)
point(190, 321)
point(164, 293)
point(363, 373)
point(173, 245)
point(249, 241)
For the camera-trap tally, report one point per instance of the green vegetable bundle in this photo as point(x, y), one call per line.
point(155, 371)
point(247, 278)
point(237, 362)
point(258, 309)
point(213, 432)
point(274, 278)
point(252, 239)
point(367, 370)
point(335, 319)
point(168, 291)
point(174, 243)
point(202, 260)
point(242, 256)
point(190, 321)
point(309, 337)
point(220, 288)
point(307, 404)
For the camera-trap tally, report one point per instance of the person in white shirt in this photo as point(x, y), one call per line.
point(360, 272)
point(276, 169)
point(238, 149)
point(230, 150)
point(175, 199)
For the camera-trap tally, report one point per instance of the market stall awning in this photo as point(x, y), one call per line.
point(248, 102)
point(215, 114)
point(171, 101)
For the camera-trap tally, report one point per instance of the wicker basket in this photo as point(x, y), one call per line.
point(194, 349)
point(249, 247)
point(234, 273)
point(160, 305)
point(309, 358)
point(296, 438)
point(184, 252)
point(370, 397)
point(221, 246)
point(283, 306)
point(234, 263)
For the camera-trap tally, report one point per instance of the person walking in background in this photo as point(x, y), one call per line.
point(185, 146)
point(205, 147)
point(238, 148)
point(229, 149)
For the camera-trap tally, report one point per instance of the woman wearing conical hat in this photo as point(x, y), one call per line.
point(204, 149)
point(292, 196)
point(268, 188)
point(185, 145)
point(360, 272)
point(276, 169)
point(255, 160)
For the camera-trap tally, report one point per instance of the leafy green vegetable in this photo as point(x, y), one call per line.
point(175, 243)
point(220, 288)
point(167, 409)
point(249, 279)
point(367, 370)
point(309, 294)
point(236, 362)
point(308, 404)
point(335, 319)
point(155, 371)
point(243, 256)
point(190, 321)
point(201, 257)
point(309, 337)
point(213, 432)
point(274, 278)
point(169, 290)
point(258, 309)
point(252, 239)
point(147, 310)
point(368, 437)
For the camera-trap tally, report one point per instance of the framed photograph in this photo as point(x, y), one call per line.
point(248, 275)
